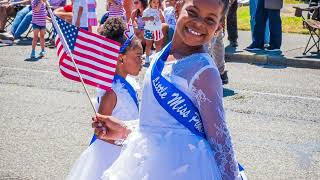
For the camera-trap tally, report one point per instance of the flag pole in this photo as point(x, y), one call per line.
point(68, 51)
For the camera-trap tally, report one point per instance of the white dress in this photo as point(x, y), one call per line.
point(162, 148)
point(100, 155)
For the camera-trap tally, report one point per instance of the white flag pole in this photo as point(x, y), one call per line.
point(68, 51)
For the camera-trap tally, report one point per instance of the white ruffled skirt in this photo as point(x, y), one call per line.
point(164, 154)
point(98, 157)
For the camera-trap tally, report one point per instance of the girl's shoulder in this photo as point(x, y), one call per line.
point(193, 65)
point(200, 59)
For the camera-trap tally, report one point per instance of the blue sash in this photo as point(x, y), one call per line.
point(130, 90)
point(175, 102)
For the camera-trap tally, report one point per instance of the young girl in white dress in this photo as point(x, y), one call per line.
point(183, 133)
point(120, 102)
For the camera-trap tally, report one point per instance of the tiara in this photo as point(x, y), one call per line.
point(125, 45)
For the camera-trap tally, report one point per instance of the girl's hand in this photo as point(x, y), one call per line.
point(109, 128)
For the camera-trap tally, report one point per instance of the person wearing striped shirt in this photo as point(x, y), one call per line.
point(116, 9)
point(39, 15)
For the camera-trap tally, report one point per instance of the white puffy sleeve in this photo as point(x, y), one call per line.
point(207, 90)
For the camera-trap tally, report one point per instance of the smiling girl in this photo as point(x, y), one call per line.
point(183, 134)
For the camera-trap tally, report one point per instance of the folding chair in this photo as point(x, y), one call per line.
point(9, 22)
point(312, 23)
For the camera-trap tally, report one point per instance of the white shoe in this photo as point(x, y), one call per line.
point(7, 42)
point(6, 36)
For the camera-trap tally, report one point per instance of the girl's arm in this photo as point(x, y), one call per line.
point(133, 16)
point(108, 102)
point(210, 104)
point(162, 17)
point(79, 16)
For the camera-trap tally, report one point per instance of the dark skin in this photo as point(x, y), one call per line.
point(194, 28)
point(128, 63)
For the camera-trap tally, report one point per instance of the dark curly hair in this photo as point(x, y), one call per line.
point(114, 29)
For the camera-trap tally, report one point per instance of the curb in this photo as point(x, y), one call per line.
point(273, 60)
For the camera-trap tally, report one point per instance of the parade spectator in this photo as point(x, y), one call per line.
point(64, 13)
point(153, 18)
point(128, 7)
point(39, 14)
point(20, 24)
point(170, 20)
point(267, 10)
point(6, 9)
point(253, 8)
point(169, 13)
point(80, 14)
point(92, 14)
point(57, 3)
point(217, 52)
point(23, 19)
point(116, 9)
point(232, 24)
point(136, 17)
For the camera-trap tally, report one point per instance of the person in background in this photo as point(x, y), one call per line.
point(136, 17)
point(39, 15)
point(64, 13)
point(55, 4)
point(232, 24)
point(253, 8)
point(6, 9)
point(80, 14)
point(92, 15)
point(267, 10)
point(116, 9)
point(20, 24)
point(23, 20)
point(170, 20)
point(217, 52)
point(128, 7)
point(153, 18)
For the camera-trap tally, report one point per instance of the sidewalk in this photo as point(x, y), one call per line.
point(292, 48)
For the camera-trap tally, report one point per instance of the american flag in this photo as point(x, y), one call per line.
point(130, 30)
point(96, 56)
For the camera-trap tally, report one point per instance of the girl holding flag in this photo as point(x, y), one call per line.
point(120, 102)
point(183, 133)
